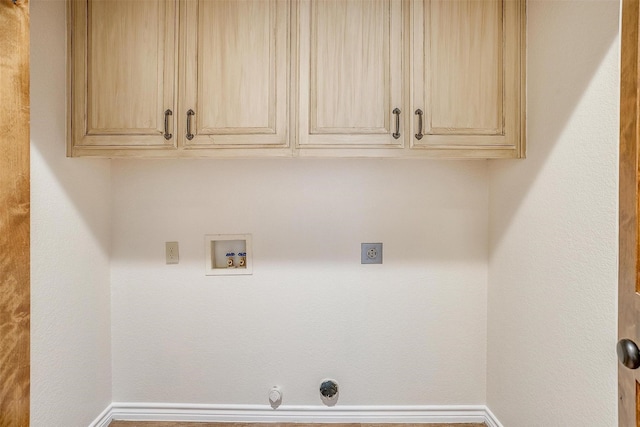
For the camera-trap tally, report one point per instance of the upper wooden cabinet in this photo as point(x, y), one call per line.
point(467, 83)
point(350, 73)
point(334, 78)
point(452, 69)
point(236, 69)
point(232, 90)
point(123, 74)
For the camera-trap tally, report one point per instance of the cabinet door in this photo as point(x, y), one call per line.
point(468, 76)
point(236, 68)
point(350, 73)
point(123, 73)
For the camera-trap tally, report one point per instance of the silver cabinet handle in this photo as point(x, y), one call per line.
point(397, 111)
point(419, 135)
point(167, 135)
point(190, 114)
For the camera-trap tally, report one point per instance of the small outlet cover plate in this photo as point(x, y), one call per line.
point(172, 255)
point(371, 253)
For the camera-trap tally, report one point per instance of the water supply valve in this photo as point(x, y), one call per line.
point(230, 259)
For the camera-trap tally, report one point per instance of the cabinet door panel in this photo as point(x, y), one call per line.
point(237, 70)
point(350, 75)
point(349, 63)
point(466, 73)
point(124, 72)
point(465, 58)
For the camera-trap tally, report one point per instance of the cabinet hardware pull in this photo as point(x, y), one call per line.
point(396, 111)
point(190, 113)
point(419, 135)
point(167, 135)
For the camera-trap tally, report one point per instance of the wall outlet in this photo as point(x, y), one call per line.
point(371, 253)
point(172, 255)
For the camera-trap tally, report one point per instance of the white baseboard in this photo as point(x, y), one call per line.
point(104, 418)
point(295, 414)
point(492, 420)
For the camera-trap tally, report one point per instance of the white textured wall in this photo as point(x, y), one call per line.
point(553, 229)
point(70, 234)
point(410, 331)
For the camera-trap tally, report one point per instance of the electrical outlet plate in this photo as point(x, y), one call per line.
point(371, 253)
point(217, 246)
point(171, 252)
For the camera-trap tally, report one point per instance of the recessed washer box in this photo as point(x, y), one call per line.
point(228, 254)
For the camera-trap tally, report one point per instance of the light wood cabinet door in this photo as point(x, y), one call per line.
point(123, 77)
point(468, 77)
point(331, 73)
point(235, 73)
point(350, 74)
